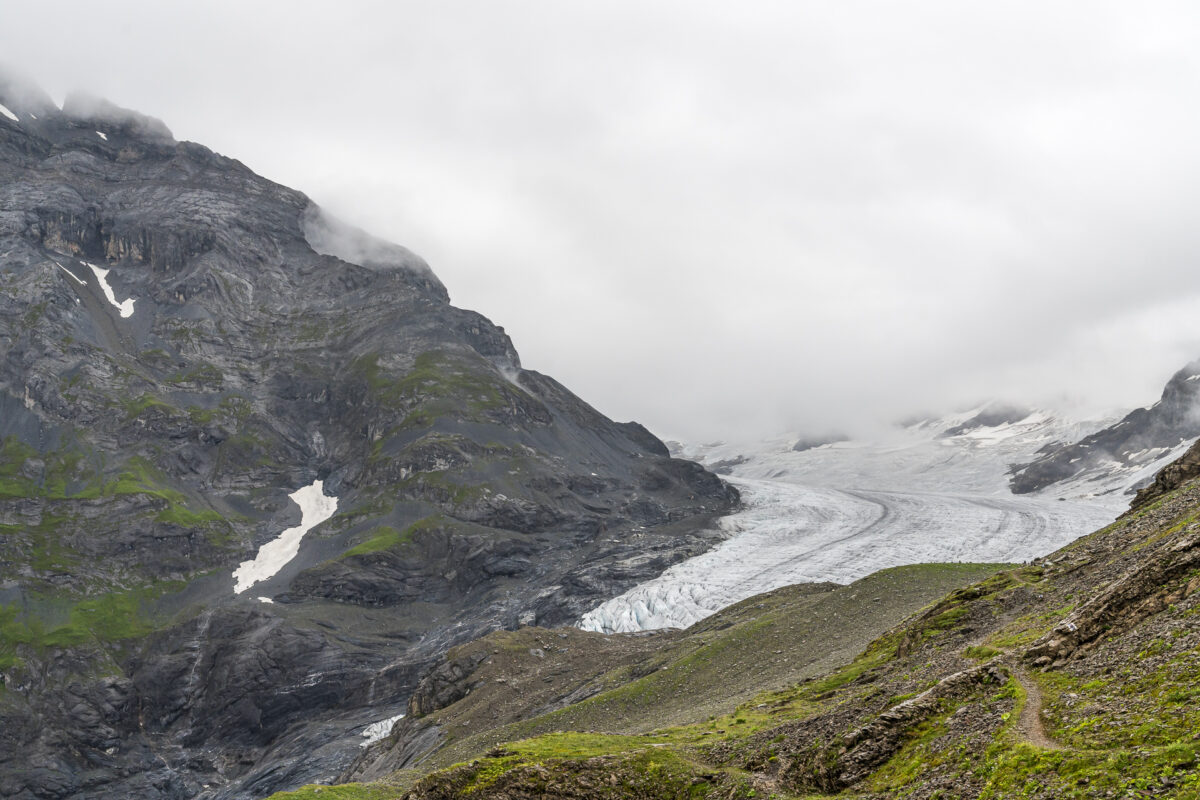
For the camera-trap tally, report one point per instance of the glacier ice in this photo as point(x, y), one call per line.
point(791, 533)
point(842, 511)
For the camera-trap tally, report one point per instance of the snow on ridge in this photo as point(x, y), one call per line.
point(315, 508)
point(379, 730)
point(125, 307)
point(4, 110)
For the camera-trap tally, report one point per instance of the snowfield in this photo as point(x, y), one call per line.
point(379, 730)
point(125, 307)
point(315, 508)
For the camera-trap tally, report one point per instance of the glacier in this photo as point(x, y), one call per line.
point(791, 533)
point(840, 511)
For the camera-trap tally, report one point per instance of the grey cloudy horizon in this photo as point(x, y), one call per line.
point(724, 220)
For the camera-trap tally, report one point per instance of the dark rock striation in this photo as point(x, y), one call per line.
point(144, 455)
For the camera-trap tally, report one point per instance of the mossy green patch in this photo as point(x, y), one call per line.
point(70, 472)
point(144, 402)
point(343, 791)
point(384, 538)
point(203, 374)
point(439, 384)
point(107, 618)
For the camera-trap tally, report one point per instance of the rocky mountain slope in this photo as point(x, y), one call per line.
point(196, 362)
point(1126, 454)
point(1071, 677)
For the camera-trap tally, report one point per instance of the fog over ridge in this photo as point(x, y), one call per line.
point(725, 221)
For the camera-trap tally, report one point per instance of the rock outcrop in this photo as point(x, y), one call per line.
point(183, 344)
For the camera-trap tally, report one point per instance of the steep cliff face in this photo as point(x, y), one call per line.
point(183, 345)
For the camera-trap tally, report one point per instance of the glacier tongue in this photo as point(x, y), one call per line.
point(791, 533)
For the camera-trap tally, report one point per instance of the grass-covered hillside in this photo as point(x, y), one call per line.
point(1075, 676)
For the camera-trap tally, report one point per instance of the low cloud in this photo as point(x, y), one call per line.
point(727, 221)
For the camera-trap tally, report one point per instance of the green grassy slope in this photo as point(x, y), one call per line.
point(1072, 677)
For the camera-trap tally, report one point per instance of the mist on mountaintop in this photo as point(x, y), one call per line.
point(728, 222)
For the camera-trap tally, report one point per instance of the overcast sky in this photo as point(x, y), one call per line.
point(723, 219)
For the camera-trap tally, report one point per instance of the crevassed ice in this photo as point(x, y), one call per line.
point(315, 508)
point(379, 730)
point(125, 308)
point(791, 533)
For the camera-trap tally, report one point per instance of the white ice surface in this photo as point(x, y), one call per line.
point(379, 730)
point(4, 110)
point(315, 508)
point(918, 458)
point(102, 135)
point(842, 511)
point(791, 533)
point(125, 308)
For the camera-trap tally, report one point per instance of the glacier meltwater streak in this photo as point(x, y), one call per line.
point(315, 508)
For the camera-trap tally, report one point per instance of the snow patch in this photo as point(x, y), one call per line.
point(103, 136)
point(379, 730)
point(315, 508)
point(4, 110)
point(80, 281)
point(266, 600)
point(125, 308)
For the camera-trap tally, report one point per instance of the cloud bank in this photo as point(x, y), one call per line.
point(726, 220)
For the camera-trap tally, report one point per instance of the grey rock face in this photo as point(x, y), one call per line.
point(1143, 435)
point(144, 456)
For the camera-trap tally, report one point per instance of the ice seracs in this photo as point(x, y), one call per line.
point(124, 308)
point(315, 508)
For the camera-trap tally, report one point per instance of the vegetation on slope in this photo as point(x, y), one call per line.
point(1071, 677)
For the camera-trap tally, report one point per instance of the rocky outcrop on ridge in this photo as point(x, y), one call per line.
point(1141, 438)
